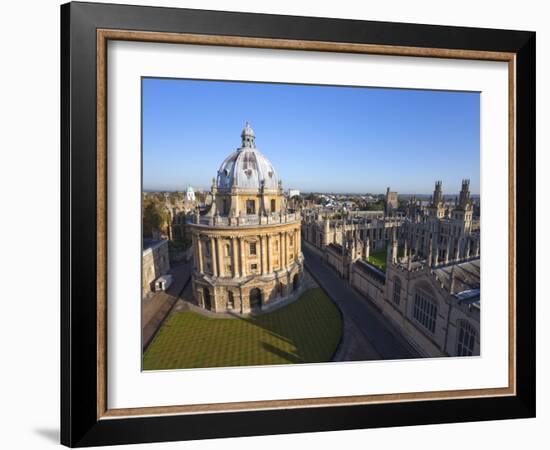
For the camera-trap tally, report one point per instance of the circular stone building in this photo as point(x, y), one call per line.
point(247, 248)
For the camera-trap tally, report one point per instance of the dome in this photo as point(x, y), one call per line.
point(247, 167)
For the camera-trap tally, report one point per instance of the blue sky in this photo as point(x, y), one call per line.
point(319, 138)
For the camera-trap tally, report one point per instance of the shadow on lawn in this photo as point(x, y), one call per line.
point(301, 340)
point(282, 354)
point(272, 328)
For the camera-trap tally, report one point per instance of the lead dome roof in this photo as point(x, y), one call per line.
point(247, 167)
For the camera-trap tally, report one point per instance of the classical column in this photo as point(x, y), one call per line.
point(199, 254)
point(195, 253)
point(283, 249)
point(213, 256)
point(288, 247)
point(269, 257)
point(220, 257)
point(242, 261)
point(264, 259)
point(234, 259)
point(296, 246)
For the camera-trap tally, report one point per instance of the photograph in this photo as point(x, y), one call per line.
point(299, 224)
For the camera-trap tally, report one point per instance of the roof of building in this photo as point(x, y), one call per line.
point(149, 244)
point(466, 285)
point(247, 167)
point(335, 247)
point(371, 269)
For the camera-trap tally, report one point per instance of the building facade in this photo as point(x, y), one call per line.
point(247, 247)
point(391, 202)
point(430, 287)
point(155, 263)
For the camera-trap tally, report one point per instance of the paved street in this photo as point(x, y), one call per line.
point(155, 308)
point(368, 335)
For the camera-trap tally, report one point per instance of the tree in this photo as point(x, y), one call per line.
point(155, 218)
point(375, 206)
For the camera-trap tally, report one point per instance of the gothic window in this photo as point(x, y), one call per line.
point(251, 207)
point(225, 207)
point(228, 250)
point(465, 339)
point(397, 291)
point(252, 248)
point(207, 249)
point(425, 311)
point(273, 205)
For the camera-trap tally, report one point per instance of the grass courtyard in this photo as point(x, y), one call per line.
point(305, 331)
point(378, 259)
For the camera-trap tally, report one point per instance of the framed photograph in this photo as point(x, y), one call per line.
point(273, 224)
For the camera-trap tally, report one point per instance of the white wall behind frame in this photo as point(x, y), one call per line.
point(31, 141)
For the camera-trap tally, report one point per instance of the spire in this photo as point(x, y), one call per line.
point(248, 137)
point(464, 199)
point(438, 193)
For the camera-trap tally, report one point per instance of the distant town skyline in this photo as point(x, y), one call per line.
point(328, 139)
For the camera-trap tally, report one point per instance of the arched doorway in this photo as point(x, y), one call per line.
point(255, 298)
point(207, 299)
point(295, 282)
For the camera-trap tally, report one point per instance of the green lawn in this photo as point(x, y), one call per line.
point(305, 331)
point(378, 259)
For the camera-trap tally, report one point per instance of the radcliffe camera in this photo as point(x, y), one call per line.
point(292, 224)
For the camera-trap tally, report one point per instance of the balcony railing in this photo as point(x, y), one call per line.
point(245, 220)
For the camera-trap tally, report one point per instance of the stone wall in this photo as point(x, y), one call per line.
point(155, 262)
point(244, 268)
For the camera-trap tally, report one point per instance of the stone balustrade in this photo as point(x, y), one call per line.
point(245, 220)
